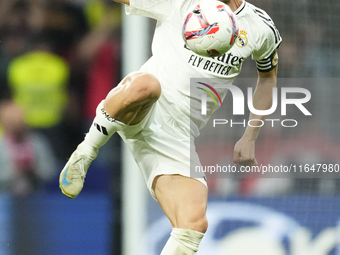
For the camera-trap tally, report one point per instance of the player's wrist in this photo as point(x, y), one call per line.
point(250, 136)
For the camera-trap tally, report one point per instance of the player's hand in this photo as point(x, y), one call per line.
point(244, 153)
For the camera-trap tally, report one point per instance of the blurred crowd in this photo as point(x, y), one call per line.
point(58, 60)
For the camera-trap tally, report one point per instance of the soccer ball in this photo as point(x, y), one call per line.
point(210, 28)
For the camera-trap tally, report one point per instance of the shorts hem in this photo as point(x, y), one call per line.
point(152, 178)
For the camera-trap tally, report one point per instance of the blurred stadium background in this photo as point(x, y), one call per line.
point(59, 58)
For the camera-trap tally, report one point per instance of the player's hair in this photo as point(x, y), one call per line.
point(226, 1)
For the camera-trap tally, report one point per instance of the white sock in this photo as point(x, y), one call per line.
point(182, 242)
point(102, 128)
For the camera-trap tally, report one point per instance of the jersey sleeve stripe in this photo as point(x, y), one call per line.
point(263, 65)
point(266, 68)
point(263, 70)
point(276, 37)
point(267, 64)
point(269, 22)
point(263, 61)
point(263, 17)
point(257, 10)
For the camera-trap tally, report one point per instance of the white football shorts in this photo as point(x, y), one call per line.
point(160, 146)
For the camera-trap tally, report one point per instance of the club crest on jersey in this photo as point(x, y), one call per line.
point(275, 59)
point(242, 39)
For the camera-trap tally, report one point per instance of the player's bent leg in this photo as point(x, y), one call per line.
point(126, 104)
point(132, 99)
point(184, 201)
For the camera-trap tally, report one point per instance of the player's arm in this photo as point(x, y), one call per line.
point(127, 2)
point(244, 151)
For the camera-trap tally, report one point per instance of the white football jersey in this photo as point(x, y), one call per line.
point(174, 64)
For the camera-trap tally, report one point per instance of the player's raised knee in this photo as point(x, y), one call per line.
point(144, 87)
